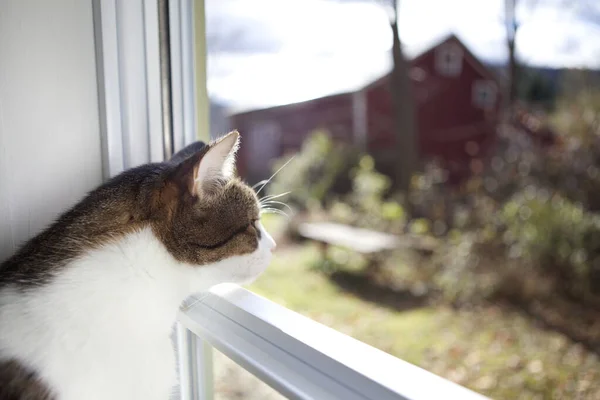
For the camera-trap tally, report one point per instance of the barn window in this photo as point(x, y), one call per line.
point(417, 74)
point(449, 59)
point(484, 94)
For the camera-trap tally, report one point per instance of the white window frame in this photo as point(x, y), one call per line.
point(449, 59)
point(484, 94)
point(297, 356)
point(134, 119)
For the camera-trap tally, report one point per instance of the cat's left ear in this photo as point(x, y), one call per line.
point(208, 166)
point(219, 161)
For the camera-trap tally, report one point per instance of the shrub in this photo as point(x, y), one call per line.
point(315, 173)
point(369, 204)
point(554, 234)
point(526, 228)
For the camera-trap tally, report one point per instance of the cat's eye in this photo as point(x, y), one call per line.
point(255, 225)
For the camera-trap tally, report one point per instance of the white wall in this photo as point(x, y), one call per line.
point(49, 133)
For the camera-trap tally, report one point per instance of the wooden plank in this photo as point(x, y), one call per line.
point(358, 239)
point(363, 240)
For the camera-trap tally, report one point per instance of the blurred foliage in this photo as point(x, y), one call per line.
point(525, 229)
point(577, 115)
point(555, 235)
point(338, 179)
point(536, 88)
point(518, 232)
point(320, 168)
point(493, 350)
point(549, 231)
point(528, 227)
point(368, 204)
point(431, 201)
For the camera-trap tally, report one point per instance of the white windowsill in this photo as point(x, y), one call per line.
point(304, 359)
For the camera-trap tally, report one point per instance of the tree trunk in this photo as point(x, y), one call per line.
point(513, 68)
point(513, 74)
point(404, 116)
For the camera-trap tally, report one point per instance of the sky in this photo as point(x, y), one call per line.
point(269, 52)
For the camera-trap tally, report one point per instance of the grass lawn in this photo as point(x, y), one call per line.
point(494, 351)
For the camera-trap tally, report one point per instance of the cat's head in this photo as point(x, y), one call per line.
point(211, 219)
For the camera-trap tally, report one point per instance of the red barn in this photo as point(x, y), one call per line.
point(457, 103)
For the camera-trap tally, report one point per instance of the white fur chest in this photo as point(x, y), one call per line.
point(101, 330)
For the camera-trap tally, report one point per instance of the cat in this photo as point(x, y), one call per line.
point(87, 306)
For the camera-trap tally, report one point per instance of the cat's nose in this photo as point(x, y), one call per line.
point(268, 239)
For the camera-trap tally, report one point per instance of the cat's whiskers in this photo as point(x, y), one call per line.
point(268, 204)
point(271, 210)
point(274, 203)
point(274, 196)
point(273, 176)
point(264, 181)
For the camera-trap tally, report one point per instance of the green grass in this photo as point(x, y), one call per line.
point(494, 351)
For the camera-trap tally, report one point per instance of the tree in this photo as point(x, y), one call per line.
point(404, 110)
point(512, 27)
point(406, 149)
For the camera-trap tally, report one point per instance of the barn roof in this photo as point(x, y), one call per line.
point(473, 60)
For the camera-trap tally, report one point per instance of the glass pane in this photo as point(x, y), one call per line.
point(492, 189)
point(232, 382)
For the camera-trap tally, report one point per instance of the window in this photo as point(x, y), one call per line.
point(417, 74)
point(484, 94)
point(449, 59)
point(152, 89)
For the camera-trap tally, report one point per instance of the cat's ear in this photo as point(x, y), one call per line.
point(186, 152)
point(208, 166)
point(219, 161)
point(183, 176)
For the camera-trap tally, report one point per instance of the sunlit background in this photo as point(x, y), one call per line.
point(271, 52)
point(483, 169)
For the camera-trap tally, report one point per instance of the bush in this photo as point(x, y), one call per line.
point(525, 228)
point(369, 204)
point(528, 225)
point(432, 201)
point(316, 172)
point(554, 234)
point(577, 114)
point(575, 168)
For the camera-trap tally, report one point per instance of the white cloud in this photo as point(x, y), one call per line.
point(559, 36)
point(271, 79)
point(280, 51)
point(326, 47)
